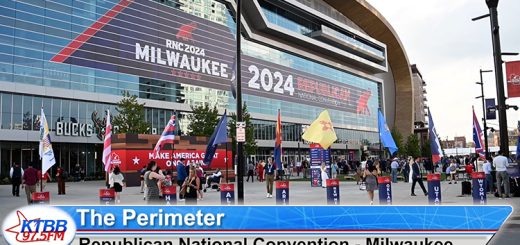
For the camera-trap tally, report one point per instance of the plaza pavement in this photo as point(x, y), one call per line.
point(86, 193)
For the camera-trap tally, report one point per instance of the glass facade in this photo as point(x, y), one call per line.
point(32, 32)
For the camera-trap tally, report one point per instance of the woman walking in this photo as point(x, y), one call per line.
point(117, 181)
point(261, 171)
point(324, 175)
point(152, 179)
point(370, 174)
point(200, 174)
point(191, 187)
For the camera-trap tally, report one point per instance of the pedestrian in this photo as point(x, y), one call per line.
point(43, 179)
point(77, 173)
point(334, 170)
point(60, 178)
point(213, 178)
point(200, 174)
point(501, 163)
point(16, 174)
point(141, 176)
point(82, 174)
point(190, 187)
point(370, 174)
point(406, 170)
point(250, 172)
point(489, 179)
point(394, 168)
point(151, 179)
point(452, 171)
point(261, 176)
point(324, 175)
point(117, 181)
point(305, 165)
point(269, 172)
point(417, 177)
point(181, 175)
point(30, 177)
point(298, 168)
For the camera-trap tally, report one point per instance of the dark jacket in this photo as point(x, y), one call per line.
point(416, 174)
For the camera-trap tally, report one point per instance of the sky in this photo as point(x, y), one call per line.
point(449, 49)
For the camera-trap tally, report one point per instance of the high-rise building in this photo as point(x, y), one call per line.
point(76, 58)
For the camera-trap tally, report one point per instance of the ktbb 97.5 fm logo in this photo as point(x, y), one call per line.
point(38, 225)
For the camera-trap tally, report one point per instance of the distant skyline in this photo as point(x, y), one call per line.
point(449, 49)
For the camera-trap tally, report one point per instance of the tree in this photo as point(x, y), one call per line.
point(426, 149)
point(203, 120)
point(398, 138)
point(250, 144)
point(130, 118)
point(412, 146)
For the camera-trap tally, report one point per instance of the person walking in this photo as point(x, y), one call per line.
point(16, 174)
point(261, 167)
point(190, 187)
point(334, 170)
point(489, 179)
point(60, 178)
point(30, 177)
point(417, 177)
point(452, 171)
point(199, 171)
point(269, 172)
point(250, 172)
point(305, 166)
point(324, 175)
point(116, 181)
point(181, 175)
point(394, 166)
point(151, 179)
point(501, 163)
point(370, 174)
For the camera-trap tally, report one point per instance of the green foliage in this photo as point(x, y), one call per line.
point(203, 120)
point(398, 138)
point(250, 144)
point(412, 146)
point(131, 117)
point(426, 149)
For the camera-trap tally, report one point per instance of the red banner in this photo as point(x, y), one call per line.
point(129, 160)
point(513, 79)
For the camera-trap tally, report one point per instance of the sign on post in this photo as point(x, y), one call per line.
point(282, 192)
point(434, 189)
point(40, 197)
point(479, 188)
point(241, 131)
point(318, 156)
point(170, 194)
point(227, 194)
point(491, 109)
point(385, 190)
point(333, 191)
point(107, 196)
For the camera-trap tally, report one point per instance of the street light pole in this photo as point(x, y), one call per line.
point(484, 112)
point(240, 145)
point(499, 79)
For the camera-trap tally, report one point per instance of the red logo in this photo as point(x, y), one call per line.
point(116, 160)
point(186, 32)
point(362, 107)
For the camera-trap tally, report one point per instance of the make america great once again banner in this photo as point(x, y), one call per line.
point(148, 39)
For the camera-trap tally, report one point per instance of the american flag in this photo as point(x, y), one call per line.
point(477, 137)
point(107, 144)
point(167, 136)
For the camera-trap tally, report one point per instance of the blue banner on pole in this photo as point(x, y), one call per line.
point(491, 111)
point(479, 188)
point(434, 189)
point(385, 190)
point(333, 191)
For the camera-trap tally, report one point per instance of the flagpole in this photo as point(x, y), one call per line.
point(227, 179)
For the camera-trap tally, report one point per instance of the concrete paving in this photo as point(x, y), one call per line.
point(86, 193)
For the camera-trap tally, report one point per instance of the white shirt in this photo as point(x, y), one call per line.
point(116, 178)
point(12, 171)
point(216, 174)
point(394, 164)
point(500, 163)
point(487, 167)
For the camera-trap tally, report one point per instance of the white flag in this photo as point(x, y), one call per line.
point(46, 152)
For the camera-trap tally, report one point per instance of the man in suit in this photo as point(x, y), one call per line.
point(417, 177)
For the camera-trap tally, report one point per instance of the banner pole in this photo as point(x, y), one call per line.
point(227, 179)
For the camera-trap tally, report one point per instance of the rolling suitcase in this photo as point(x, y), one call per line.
point(466, 188)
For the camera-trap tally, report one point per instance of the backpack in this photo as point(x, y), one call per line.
point(452, 168)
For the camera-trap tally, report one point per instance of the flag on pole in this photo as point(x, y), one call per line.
point(278, 143)
point(219, 136)
point(234, 78)
point(45, 149)
point(435, 145)
point(321, 131)
point(107, 144)
point(384, 134)
point(167, 136)
point(477, 136)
